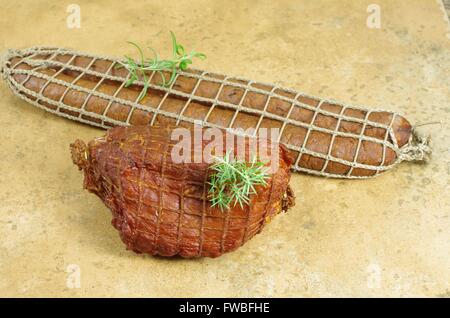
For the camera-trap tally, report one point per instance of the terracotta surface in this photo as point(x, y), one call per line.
point(387, 236)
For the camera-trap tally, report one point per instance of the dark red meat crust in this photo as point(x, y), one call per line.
point(161, 208)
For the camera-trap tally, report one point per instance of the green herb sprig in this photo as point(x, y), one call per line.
point(232, 181)
point(180, 61)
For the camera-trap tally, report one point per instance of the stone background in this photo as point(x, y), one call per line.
point(388, 236)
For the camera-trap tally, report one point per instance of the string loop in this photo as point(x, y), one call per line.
point(418, 149)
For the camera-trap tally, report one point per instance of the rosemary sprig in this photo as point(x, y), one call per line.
point(232, 181)
point(180, 61)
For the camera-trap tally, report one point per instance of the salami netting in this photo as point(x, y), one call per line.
point(162, 207)
point(45, 57)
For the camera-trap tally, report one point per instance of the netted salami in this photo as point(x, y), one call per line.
point(328, 138)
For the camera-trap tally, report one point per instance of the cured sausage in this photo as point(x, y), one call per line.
point(327, 138)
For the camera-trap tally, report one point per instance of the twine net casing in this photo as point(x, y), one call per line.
point(161, 207)
point(328, 138)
